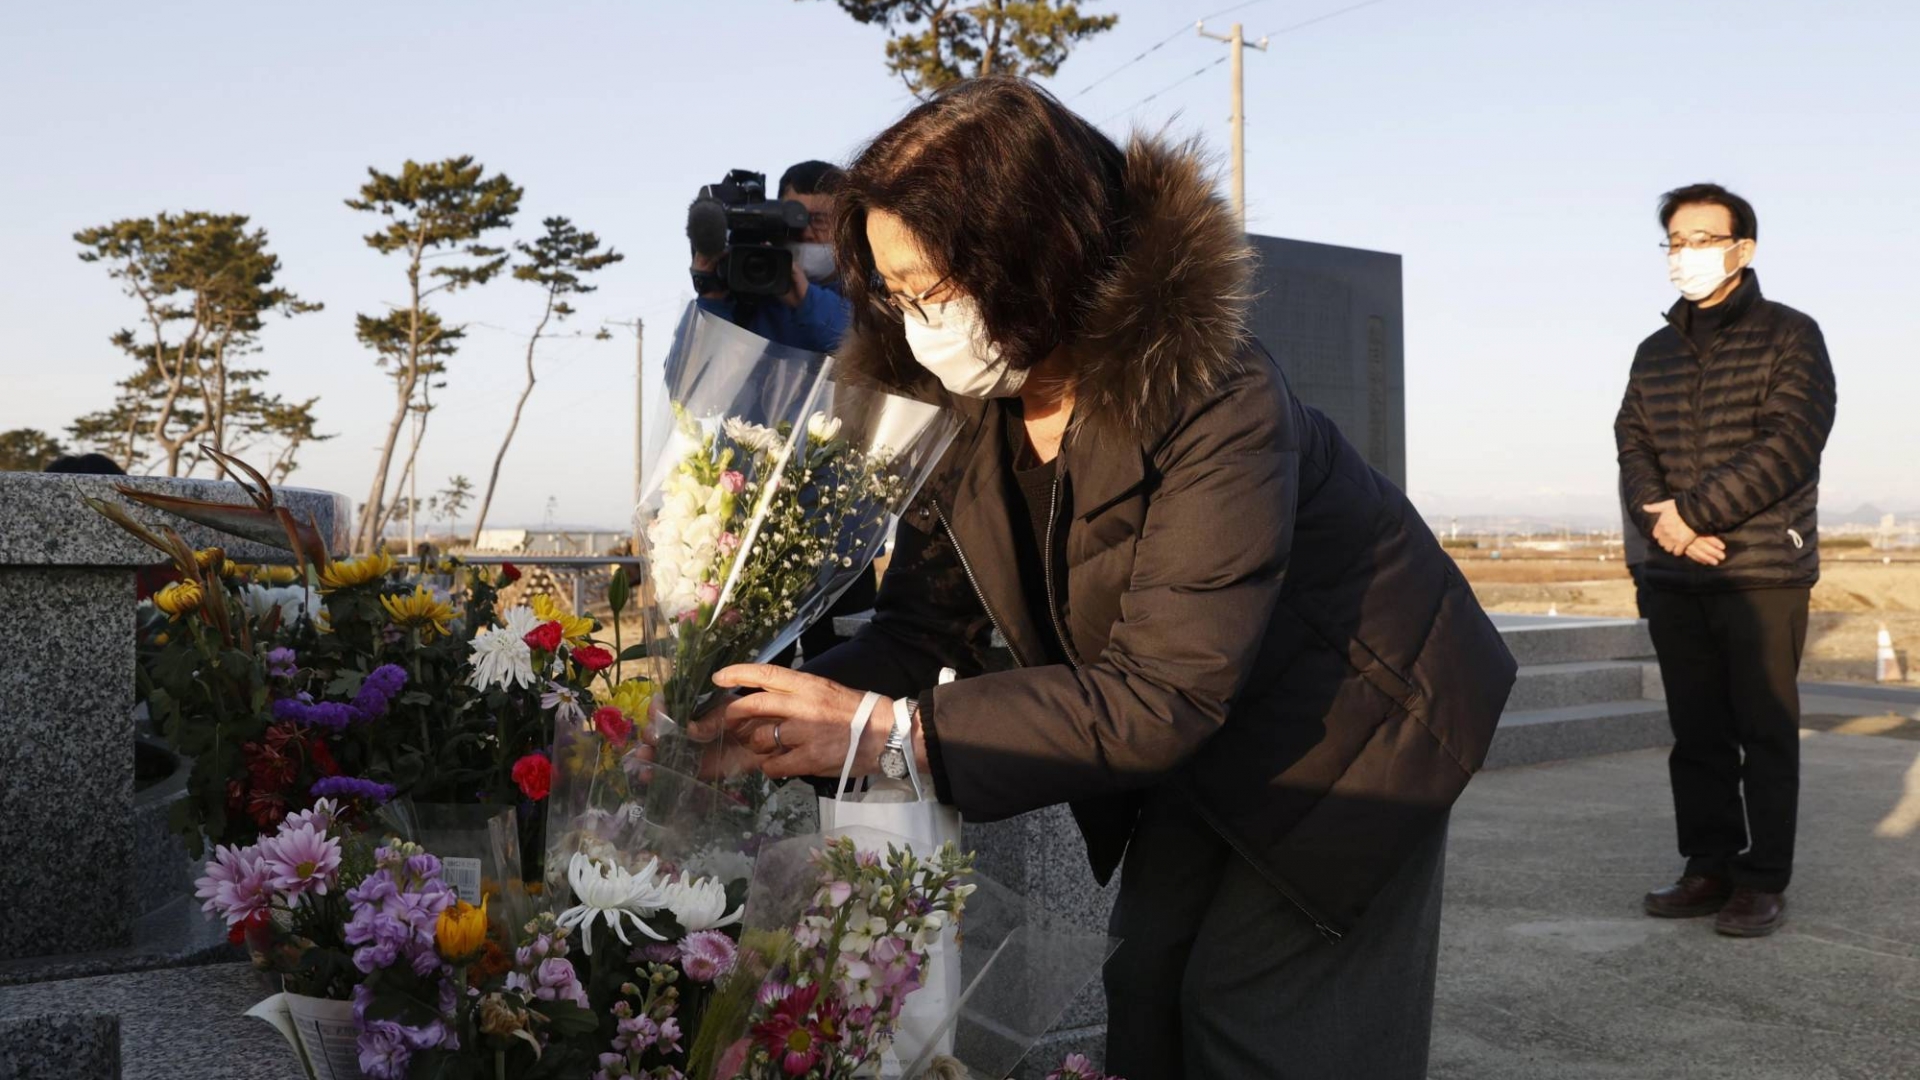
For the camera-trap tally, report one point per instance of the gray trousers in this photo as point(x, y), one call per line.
point(1219, 977)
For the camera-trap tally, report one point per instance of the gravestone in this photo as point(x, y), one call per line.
point(1332, 317)
point(67, 830)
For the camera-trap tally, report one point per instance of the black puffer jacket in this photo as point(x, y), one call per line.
point(1735, 437)
point(1249, 611)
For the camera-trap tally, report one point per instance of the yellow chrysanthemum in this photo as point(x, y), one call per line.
point(461, 931)
point(180, 598)
point(631, 698)
point(574, 628)
point(419, 610)
point(348, 573)
point(208, 558)
point(275, 575)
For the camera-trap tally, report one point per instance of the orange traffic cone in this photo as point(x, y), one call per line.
point(1886, 662)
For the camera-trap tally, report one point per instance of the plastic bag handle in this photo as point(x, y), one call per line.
point(860, 717)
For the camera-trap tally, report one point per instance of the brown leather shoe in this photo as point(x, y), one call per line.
point(1751, 913)
point(1692, 896)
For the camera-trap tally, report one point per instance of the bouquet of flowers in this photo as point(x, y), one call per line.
point(285, 683)
point(775, 485)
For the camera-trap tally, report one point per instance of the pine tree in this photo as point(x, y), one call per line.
point(557, 262)
point(934, 43)
point(27, 450)
point(436, 214)
point(204, 282)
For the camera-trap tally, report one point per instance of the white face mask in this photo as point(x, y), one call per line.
point(814, 260)
point(1697, 272)
point(953, 345)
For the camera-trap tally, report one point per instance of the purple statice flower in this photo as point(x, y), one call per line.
point(282, 663)
point(378, 690)
point(353, 787)
point(305, 711)
point(303, 860)
point(707, 955)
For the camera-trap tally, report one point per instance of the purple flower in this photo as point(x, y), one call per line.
point(423, 866)
point(302, 859)
point(384, 1053)
point(555, 980)
point(377, 690)
point(282, 663)
point(305, 711)
point(353, 787)
point(236, 885)
point(707, 955)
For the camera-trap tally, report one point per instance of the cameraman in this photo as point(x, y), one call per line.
point(813, 314)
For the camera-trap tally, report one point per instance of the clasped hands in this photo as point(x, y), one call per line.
point(1676, 537)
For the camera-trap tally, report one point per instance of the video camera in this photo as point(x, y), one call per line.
point(734, 221)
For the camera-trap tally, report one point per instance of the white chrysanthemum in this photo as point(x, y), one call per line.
point(291, 600)
point(605, 890)
point(700, 904)
point(753, 436)
point(500, 653)
point(822, 428)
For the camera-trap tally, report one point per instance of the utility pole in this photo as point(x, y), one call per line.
point(1238, 42)
point(639, 326)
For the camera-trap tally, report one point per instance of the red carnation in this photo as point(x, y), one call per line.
point(322, 758)
point(534, 774)
point(593, 657)
point(509, 573)
point(546, 637)
point(612, 724)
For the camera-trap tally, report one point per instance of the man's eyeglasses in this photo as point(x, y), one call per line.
point(1698, 242)
point(896, 305)
point(819, 219)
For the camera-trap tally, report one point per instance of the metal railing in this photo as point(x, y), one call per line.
point(581, 572)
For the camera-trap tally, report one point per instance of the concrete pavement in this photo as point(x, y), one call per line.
point(1549, 971)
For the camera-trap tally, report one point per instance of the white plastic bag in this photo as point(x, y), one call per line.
point(904, 811)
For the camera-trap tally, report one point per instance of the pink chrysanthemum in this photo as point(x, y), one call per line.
point(707, 955)
point(302, 860)
point(236, 885)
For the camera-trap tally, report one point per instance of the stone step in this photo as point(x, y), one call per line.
point(1542, 640)
point(1552, 686)
point(1530, 736)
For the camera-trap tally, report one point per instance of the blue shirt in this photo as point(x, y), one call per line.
point(817, 325)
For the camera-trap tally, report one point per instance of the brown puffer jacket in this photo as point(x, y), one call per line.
point(1250, 611)
point(1734, 436)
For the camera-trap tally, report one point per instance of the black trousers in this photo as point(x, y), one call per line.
point(1219, 977)
point(1731, 664)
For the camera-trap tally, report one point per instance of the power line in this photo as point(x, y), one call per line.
point(1177, 83)
point(1156, 46)
point(1216, 63)
point(1324, 18)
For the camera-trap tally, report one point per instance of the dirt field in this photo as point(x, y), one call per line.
point(1852, 601)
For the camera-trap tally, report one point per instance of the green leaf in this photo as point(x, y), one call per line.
point(635, 652)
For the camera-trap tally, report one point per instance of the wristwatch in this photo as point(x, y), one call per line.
point(894, 759)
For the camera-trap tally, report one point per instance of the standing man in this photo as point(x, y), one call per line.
point(1726, 413)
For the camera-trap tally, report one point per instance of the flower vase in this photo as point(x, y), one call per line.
point(329, 1040)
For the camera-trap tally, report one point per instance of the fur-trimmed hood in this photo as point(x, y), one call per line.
point(1164, 327)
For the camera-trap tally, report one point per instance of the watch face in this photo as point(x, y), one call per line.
point(894, 764)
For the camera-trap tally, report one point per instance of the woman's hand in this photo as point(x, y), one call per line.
point(800, 724)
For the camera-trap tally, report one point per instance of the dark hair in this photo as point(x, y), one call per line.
point(1745, 225)
point(86, 465)
point(1017, 201)
point(811, 178)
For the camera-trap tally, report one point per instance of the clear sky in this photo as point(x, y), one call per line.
point(1511, 150)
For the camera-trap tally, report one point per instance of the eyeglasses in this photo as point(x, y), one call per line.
point(820, 220)
point(1698, 242)
point(896, 305)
